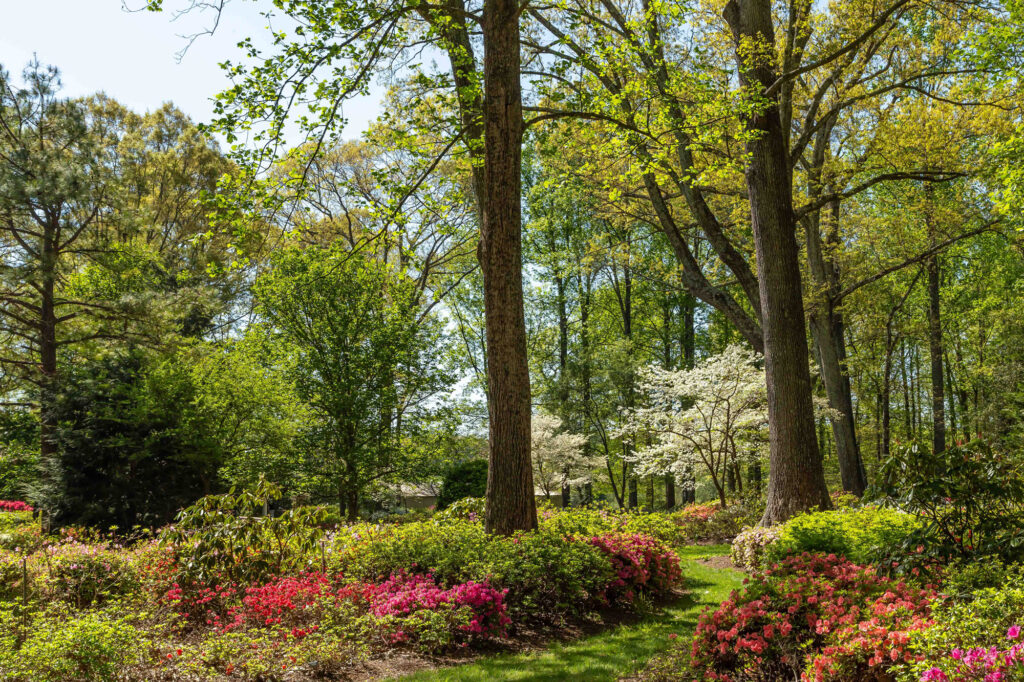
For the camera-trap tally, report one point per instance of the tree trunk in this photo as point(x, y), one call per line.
point(510, 501)
point(830, 346)
point(670, 491)
point(352, 493)
point(48, 347)
point(886, 397)
point(935, 334)
point(796, 477)
point(754, 477)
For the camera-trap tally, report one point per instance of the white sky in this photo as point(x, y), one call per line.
point(98, 46)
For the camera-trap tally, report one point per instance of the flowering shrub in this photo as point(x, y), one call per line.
point(545, 574)
point(992, 664)
point(984, 624)
point(640, 564)
point(83, 574)
point(750, 546)
point(710, 522)
point(14, 506)
point(415, 606)
point(795, 611)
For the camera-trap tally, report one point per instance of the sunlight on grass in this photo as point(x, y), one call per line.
point(619, 651)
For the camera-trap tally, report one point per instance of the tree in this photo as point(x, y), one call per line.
point(333, 53)
point(559, 458)
point(360, 358)
point(56, 197)
point(713, 416)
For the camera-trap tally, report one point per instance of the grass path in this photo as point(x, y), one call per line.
point(609, 655)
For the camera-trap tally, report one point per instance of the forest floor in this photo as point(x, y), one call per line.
point(614, 652)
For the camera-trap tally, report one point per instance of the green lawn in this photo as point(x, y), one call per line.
point(614, 653)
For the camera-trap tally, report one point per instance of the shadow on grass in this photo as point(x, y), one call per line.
point(611, 654)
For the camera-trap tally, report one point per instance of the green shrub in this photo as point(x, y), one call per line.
point(466, 479)
point(711, 523)
point(543, 571)
point(980, 621)
point(226, 538)
point(19, 532)
point(85, 575)
point(65, 646)
point(589, 522)
point(468, 508)
point(970, 499)
point(863, 536)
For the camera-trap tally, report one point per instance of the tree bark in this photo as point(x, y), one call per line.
point(796, 477)
point(510, 501)
point(935, 333)
point(48, 345)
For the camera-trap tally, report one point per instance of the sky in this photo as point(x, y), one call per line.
point(132, 56)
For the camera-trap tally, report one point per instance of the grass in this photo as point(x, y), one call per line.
point(612, 654)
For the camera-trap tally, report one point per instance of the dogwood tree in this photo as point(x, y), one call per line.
point(559, 458)
point(711, 416)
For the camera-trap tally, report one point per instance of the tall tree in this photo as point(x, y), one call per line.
point(332, 55)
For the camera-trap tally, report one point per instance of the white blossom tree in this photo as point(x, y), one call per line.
point(559, 458)
point(711, 416)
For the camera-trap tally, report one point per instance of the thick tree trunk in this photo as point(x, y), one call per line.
point(796, 478)
point(510, 501)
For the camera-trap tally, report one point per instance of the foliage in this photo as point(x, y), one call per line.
point(814, 614)
point(969, 498)
point(588, 522)
point(461, 481)
point(122, 435)
point(711, 522)
point(93, 646)
point(228, 538)
point(468, 508)
point(361, 344)
point(865, 535)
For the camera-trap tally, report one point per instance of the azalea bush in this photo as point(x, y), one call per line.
point(812, 615)
point(640, 563)
point(750, 547)
point(711, 522)
point(14, 506)
point(971, 636)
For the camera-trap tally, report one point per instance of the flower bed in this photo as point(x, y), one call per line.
point(811, 617)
